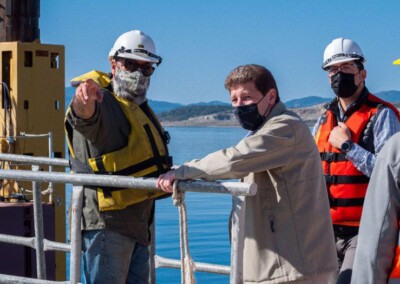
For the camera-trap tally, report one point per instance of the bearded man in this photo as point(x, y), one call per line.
point(112, 130)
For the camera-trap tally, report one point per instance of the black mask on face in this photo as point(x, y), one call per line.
point(248, 116)
point(343, 84)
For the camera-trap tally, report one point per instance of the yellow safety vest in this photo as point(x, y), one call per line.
point(145, 154)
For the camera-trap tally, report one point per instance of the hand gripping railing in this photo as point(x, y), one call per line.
point(238, 190)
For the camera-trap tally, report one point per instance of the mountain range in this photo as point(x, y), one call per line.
point(203, 114)
point(169, 110)
point(160, 107)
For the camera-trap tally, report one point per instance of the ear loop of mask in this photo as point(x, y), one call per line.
point(269, 104)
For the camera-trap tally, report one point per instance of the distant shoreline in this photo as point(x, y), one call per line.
point(308, 114)
point(213, 124)
point(195, 123)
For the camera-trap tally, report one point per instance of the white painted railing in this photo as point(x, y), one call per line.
point(236, 189)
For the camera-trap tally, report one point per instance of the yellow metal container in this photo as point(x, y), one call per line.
point(33, 102)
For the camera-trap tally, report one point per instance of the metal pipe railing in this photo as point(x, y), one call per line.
point(34, 160)
point(237, 244)
point(30, 242)
point(76, 236)
point(78, 180)
point(49, 136)
point(235, 188)
point(39, 231)
point(200, 266)
point(9, 279)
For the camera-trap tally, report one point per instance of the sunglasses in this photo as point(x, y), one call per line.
point(132, 66)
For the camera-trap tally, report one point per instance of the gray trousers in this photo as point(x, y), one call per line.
point(346, 251)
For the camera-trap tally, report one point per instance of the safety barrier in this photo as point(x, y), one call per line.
point(238, 190)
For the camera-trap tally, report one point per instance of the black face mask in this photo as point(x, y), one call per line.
point(343, 84)
point(248, 116)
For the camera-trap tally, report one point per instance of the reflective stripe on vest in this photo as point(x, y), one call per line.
point(145, 155)
point(396, 265)
point(346, 185)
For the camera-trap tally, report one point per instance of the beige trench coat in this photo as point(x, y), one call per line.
point(288, 229)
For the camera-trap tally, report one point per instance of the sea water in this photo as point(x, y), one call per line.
point(208, 214)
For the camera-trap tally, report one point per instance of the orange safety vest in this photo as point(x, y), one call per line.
point(395, 274)
point(346, 185)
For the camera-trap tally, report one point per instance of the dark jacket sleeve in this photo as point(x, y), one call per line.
point(107, 130)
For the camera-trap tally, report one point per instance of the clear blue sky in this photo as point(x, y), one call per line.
point(202, 41)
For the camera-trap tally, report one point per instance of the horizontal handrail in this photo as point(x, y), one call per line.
point(30, 242)
point(234, 188)
point(237, 189)
point(159, 261)
point(23, 280)
point(200, 266)
point(34, 160)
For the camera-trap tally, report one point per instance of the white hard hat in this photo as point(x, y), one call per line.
point(135, 45)
point(342, 50)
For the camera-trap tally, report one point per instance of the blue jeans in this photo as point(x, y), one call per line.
point(110, 257)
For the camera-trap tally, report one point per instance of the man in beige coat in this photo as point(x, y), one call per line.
point(288, 229)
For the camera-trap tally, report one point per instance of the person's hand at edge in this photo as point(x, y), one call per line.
point(166, 181)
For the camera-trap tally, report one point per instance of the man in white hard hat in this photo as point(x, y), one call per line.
point(349, 134)
point(288, 236)
point(377, 257)
point(112, 130)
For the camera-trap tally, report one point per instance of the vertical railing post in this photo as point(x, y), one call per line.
point(76, 235)
point(237, 242)
point(152, 252)
point(51, 186)
point(38, 224)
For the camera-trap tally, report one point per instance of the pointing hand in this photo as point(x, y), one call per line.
point(86, 95)
point(88, 91)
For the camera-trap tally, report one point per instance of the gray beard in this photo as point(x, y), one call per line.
point(131, 86)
